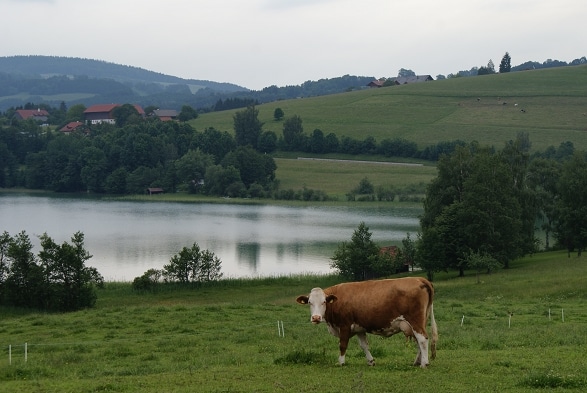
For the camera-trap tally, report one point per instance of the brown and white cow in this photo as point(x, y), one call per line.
point(381, 307)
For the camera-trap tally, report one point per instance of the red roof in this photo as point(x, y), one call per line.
point(69, 127)
point(103, 108)
point(28, 113)
point(107, 108)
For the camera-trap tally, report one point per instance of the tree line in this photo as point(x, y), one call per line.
point(55, 279)
point(483, 210)
point(138, 153)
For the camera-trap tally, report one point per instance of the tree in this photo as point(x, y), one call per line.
point(543, 175)
point(253, 166)
point(404, 72)
point(506, 63)
point(214, 142)
point(571, 224)
point(191, 169)
point(267, 142)
point(482, 262)
point(247, 127)
point(293, 133)
point(218, 179)
point(317, 142)
point(75, 113)
point(474, 205)
point(278, 114)
point(490, 69)
point(187, 113)
point(125, 114)
point(70, 285)
point(365, 187)
point(193, 265)
point(24, 284)
point(357, 260)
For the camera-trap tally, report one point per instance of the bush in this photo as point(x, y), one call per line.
point(148, 281)
point(193, 265)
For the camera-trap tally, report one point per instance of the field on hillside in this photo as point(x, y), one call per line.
point(516, 330)
point(487, 109)
point(339, 177)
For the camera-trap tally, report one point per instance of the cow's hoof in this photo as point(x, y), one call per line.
point(371, 362)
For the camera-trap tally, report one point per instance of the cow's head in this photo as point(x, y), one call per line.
point(317, 301)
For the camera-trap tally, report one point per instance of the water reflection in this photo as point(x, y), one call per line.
point(127, 238)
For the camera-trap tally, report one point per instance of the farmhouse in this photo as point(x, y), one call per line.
point(376, 83)
point(97, 114)
point(71, 127)
point(35, 114)
point(404, 80)
point(165, 114)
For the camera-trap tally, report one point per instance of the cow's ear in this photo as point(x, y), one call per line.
point(302, 299)
point(331, 298)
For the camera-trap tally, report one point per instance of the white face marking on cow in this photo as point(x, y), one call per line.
point(317, 301)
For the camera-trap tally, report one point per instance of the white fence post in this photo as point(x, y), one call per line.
point(9, 354)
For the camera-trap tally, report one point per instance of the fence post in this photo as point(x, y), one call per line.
point(9, 355)
point(26, 353)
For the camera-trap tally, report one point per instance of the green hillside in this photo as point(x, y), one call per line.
point(549, 104)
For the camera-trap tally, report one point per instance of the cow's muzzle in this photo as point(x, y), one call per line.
point(316, 319)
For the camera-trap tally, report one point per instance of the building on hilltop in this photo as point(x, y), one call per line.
point(404, 80)
point(102, 113)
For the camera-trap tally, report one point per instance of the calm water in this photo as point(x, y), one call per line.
point(128, 238)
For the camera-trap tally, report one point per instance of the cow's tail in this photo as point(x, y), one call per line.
point(430, 312)
point(434, 333)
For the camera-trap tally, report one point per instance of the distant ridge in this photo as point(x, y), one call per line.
point(46, 66)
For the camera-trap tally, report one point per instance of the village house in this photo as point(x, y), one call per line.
point(102, 113)
point(165, 114)
point(71, 127)
point(401, 80)
point(39, 115)
point(404, 80)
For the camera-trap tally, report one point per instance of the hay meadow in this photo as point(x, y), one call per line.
point(486, 109)
point(517, 330)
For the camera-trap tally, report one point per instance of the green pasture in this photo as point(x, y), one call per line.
point(496, 335)
point(339, 177)
point(469, 109)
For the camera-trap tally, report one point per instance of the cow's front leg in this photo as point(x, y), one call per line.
point(343, 343)
point(365, 346)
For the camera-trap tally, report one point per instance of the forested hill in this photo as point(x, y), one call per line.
point(47, 66)
point(52, 80)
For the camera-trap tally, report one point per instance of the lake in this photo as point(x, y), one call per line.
point(127, 238)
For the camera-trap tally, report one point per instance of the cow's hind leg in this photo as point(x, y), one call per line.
point(422, 356)
point(365, 347)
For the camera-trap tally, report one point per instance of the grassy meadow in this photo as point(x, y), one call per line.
point(469, 109)
point(496, 335)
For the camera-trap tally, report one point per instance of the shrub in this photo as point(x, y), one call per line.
point(193, 265)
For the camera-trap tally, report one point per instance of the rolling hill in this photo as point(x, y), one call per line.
point(52, 80)
point(549, 104)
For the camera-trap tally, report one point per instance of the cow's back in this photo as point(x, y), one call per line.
point(374, 304)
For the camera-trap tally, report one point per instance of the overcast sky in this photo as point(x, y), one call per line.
point(259, 43)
